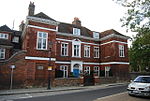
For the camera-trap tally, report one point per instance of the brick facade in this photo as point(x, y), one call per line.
point(32, 62)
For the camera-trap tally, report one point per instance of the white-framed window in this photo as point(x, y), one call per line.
point(15, 39)
point(42, 38)
point(96, 70)
point(2, 53)
point(3, 36)
point(87, 70)
point(96, 35)
point(96, 52)
point(76, 31)
point(64, 69)
point(76, 49)
point(40, 67)
point(86, 51)
point(121, 51)
point(107, 71)
point(64, 49)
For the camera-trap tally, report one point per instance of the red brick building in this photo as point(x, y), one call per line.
point(71, 51)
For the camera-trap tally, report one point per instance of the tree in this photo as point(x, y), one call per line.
point(137, 19)
point(139, 53)
point(138, 14)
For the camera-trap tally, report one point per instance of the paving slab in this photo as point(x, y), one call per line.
point(122, 97)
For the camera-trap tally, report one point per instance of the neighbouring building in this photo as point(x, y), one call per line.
point(68, 53)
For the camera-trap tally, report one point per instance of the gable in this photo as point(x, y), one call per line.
point(43, 16)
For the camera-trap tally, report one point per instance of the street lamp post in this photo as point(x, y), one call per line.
point(49, 78)
point(11, 75)
point(49, 66)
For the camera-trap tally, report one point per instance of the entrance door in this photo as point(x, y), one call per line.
point(76, 70)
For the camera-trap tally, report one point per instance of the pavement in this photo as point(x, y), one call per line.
point(122, 97)
point(55, 89)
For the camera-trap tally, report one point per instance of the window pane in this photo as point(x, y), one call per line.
point(40, 34)
point(64, 49)
point(121, 51)
point(76, 31)
point(64, 70)
point(42, 40)
point(40, 67)
point(39, 43)
point(44, 43)
point(2, 53)
point(44, 35)
point(3, 36)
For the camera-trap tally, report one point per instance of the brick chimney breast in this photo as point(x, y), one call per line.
point(76, 21)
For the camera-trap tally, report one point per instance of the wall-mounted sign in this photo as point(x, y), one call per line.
point(49, 67)
point(12, 66)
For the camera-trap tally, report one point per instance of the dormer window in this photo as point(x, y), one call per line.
point(96, 35)
point(3, 36)
point(76, 31)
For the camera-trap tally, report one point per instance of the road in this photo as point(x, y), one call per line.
point(86, 95)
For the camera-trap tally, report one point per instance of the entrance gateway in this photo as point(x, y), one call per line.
point(76, 67)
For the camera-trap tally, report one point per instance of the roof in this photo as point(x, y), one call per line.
point(111, 31)
point(68, 28)
point(44, 16)
point(16, 33)
point(5, 42)
point(5, 28)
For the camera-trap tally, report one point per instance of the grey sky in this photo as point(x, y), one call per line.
point(97, 15)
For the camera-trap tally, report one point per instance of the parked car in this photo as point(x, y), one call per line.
point(140, 86)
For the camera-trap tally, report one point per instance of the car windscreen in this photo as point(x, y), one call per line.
point(142, 79)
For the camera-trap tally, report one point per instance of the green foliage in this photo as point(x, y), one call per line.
point(139, 53)
point(138, 14)
point(137, 19)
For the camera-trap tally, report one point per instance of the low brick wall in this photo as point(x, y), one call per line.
point(67, 82)
point(105, 80)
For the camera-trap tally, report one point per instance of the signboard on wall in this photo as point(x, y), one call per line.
point(49, 67)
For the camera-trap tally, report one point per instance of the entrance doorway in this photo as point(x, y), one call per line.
point(76, 70)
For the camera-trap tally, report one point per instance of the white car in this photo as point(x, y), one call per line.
point(140, 86)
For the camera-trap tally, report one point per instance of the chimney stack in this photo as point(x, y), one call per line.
point(76, 22)
point(21, 26)
point(31, 9)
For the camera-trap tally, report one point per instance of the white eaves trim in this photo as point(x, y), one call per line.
point(55, 30)
point(113, 41)
point(93, 43)
point(72, 40)
point(39, 58)
point(114, 35)
point(62, 62)
point(111, 63)
point(79, 36)
point(92, 63)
